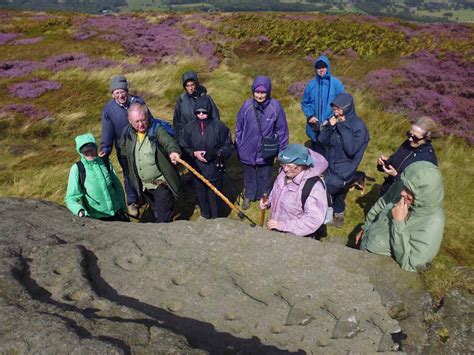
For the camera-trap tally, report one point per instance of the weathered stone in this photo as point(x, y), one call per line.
point(346, 327)
point(453, 332)
point(70, 285)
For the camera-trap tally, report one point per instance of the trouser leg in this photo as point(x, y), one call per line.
point(213, 200)
point(338, 195)
point(201, 196)
point(250, 181)
point(161, 202)
point(132, 196)
point(264, 180)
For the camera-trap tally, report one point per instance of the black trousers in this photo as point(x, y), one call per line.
point(208, 201)
point(120, 216)
point(161, 202)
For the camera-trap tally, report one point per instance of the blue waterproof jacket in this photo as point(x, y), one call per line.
point(272, 118)
point(344, 143)
point(318, 95)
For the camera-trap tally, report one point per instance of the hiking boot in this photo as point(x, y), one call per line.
point(133, 210)
point(246, 204)
point(338, 220)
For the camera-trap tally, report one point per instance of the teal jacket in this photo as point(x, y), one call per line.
point(416, 240)
point(163, 145)
point(104, 195)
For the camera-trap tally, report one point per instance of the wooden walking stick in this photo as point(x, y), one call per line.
point(262, 211)
point(217, 192)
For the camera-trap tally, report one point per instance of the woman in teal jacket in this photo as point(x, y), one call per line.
point(408, 221)
point(101, 195)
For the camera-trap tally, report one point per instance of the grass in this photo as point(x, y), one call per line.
point(464, 15)
point(37, 166)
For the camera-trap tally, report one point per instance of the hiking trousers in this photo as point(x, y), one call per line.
point(161, 202)
point(257, 180)
point(208, 201)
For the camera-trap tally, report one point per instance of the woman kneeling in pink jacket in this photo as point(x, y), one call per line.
point(288, 213)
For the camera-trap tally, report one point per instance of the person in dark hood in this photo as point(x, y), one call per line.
point(317, 98)
point(184, 109)
point(417, 147)
point(209, 143)
point(344, 138)
point(261, 117)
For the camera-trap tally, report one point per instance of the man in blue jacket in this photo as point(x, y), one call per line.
point(114, 119)
point(317, 98)
point(344, 138)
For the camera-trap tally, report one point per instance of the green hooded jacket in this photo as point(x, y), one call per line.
point(104, 195)
point(416, 240)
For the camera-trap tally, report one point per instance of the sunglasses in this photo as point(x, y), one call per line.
point(201, 112)
point(414, 138)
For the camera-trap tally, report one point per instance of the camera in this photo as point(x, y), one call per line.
point(315, 127)
point(220, 162)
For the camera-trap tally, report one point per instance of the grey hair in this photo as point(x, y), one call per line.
point(429, 125)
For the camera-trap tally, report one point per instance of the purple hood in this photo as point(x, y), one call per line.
point(264, 81)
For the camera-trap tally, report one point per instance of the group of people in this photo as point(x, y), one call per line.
point(310, 189)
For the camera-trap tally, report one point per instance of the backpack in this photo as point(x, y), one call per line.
point(308, 186)
point(82, 173)
point(155, 123)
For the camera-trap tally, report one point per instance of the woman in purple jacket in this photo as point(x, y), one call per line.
point(248, 136)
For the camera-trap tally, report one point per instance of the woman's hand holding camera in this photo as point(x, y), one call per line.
point(387, 168)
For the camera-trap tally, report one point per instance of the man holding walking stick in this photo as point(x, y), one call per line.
point(150, 153)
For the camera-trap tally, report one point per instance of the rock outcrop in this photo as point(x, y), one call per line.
point(72, 285)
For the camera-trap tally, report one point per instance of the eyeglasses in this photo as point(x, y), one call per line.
point(201, 112)
point(414, 138)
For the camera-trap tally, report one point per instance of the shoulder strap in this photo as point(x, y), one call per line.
point(106, 162)
point(82, 176)
point(308, 186)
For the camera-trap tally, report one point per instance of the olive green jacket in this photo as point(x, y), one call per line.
point(163, 145)
point(416, 240)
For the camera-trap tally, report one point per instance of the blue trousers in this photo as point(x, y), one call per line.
point(257, 180)
point(336, 188)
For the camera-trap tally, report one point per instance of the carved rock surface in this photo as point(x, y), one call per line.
point(70, 285)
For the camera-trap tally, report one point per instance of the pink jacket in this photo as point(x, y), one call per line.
point(285, 200)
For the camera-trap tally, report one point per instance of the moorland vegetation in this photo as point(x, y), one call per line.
point(55, 69)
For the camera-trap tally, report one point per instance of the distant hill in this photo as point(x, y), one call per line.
point(74, 5)
point(417, 10)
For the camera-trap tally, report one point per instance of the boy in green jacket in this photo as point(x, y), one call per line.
point(100, 195)
point(407, 222)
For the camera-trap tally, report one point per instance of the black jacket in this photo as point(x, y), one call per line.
point(184, 109)
point(208, 135)
point(403, 157)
